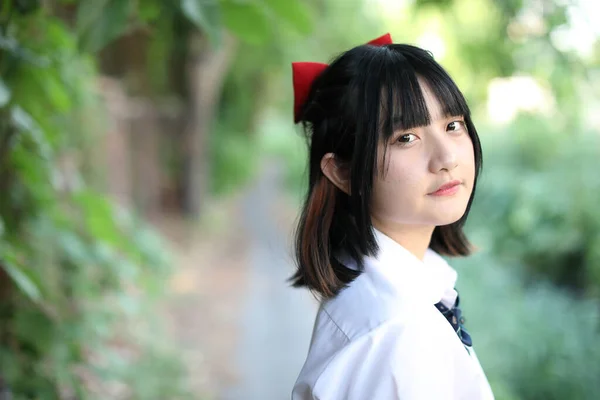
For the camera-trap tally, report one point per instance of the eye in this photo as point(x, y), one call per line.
point(456, 126)
point(405, 139)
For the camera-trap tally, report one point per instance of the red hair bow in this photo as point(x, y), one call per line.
point(304, 74)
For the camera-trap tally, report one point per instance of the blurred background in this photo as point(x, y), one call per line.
point(151, 175)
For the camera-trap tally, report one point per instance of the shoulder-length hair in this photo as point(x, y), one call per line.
point(347, 113)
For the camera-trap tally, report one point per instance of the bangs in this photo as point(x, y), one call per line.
point(402, 103)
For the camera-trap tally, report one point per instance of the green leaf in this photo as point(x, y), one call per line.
point(57, 93)
point(435, 3)
point(206, 15)
point(15, 49)
point(294, 13)
point(4, 93)
point(34, 328)
point(53, 94)
point(20, 277)
point(98, 217)
point(73, 247)
point(87, 13)
point(23, 120)
point(247, 21)
point(101, 21)
point(149, 11)
point(26, 123)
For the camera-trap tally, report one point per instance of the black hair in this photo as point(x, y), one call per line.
point(354, 104)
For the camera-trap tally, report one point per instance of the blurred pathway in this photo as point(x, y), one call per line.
point(243, 331)
point(277, 320)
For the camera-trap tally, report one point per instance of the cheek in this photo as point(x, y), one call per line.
point(467, 158)
point(406, 173)
point(399, 187)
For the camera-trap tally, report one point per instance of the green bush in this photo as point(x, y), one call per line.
point(537, 202)
point(534, 342)
point(235, 160)
point(279, 139)
point(78, 276)
point(532, 293)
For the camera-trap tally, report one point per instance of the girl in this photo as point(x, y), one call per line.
point(394, 160)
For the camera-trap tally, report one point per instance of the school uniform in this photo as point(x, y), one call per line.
point(392, 334)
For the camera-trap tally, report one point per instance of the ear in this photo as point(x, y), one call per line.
point(336, 171)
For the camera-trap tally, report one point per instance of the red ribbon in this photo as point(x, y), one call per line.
point(305, 73)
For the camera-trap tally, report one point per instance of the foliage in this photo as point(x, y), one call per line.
point(261, 28)
point(533, 290)
point(252, 21)
point(540, 192)
point(99, 22)
point(77, 273)
point(277, 140)
point(234, 159)
point(534, 342)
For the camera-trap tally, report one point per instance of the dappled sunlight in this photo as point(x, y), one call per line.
point(507, 97)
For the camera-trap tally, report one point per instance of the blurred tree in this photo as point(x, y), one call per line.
point(258, 24)
point(197, 42)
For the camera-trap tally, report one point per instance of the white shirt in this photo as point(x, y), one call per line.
point(383, 338)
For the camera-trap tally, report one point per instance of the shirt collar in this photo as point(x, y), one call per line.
point(431, 279)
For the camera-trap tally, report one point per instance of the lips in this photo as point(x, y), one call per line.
point(447, 187)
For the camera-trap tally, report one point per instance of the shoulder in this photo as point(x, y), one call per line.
point(380, 295)
point(379, 335)
point(367, 303)
point(341, 324)
point(397, 359)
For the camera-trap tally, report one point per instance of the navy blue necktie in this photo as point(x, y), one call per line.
point(455, 318)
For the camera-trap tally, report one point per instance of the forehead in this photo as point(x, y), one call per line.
point(435, 108)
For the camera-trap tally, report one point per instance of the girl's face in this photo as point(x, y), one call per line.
point(418, 162)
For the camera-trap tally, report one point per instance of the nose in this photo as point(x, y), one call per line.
point(443, 153)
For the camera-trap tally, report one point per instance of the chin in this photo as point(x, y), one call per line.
point(447, 217)
point(448, 221)
point(446, 213)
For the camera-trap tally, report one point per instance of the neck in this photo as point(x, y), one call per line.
point(414, 238)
